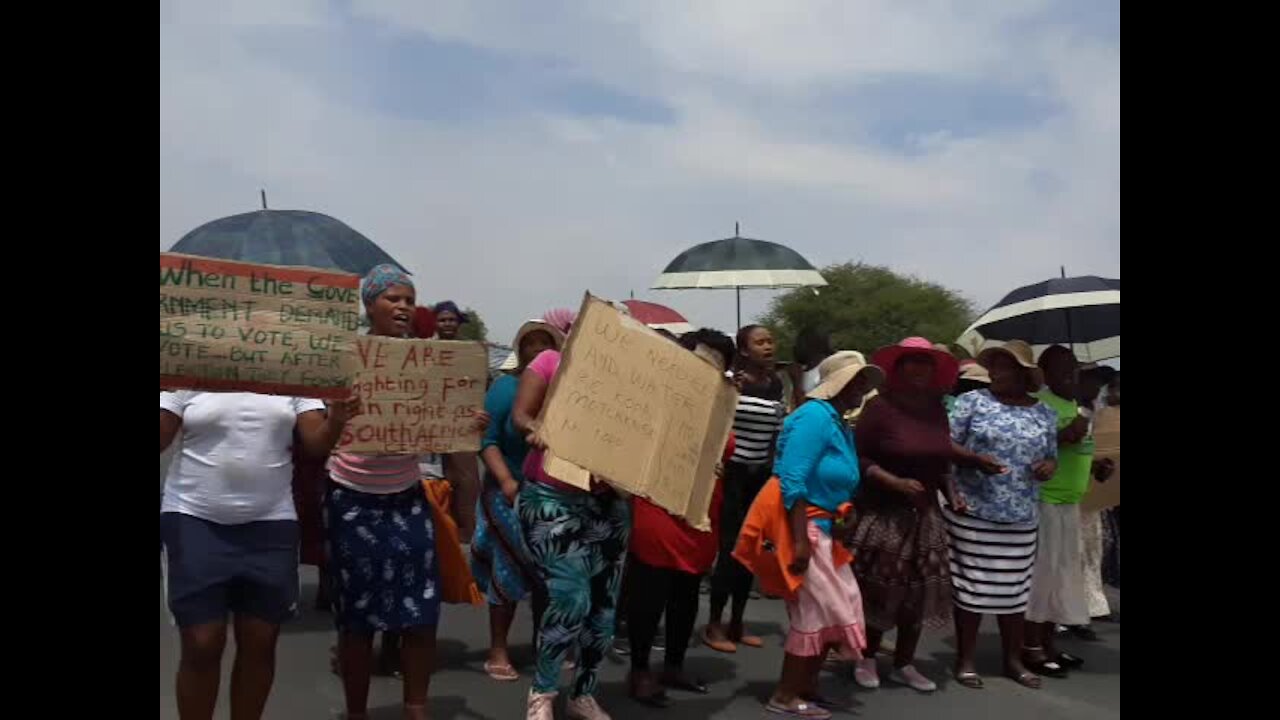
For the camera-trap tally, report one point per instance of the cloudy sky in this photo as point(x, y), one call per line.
point(514, 154)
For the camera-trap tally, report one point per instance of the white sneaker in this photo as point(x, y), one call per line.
point(912, 678)
point(541, 706)
point(585, 708)
point(865, 673)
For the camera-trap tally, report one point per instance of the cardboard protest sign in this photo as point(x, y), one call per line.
point(1106, 444)
point(639, 412)
point(239, 327)
point(417, 396)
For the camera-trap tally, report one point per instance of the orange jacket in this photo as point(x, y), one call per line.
point(456, 583)
point(765, 546)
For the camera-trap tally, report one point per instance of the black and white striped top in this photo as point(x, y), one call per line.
point(757, 421)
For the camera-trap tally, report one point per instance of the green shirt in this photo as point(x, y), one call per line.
point(1069, 483)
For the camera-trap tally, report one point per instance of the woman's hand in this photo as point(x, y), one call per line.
point(990, 466)
point(913, 489)
point(341, 411)
point(510, 489)
point(482, 421)
point(1044, 470)
point(800, 562)
point(534, 438)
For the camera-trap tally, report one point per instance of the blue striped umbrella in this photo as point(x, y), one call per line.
point(1082, 313)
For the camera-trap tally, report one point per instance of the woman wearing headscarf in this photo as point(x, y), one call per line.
point(899, 540)
point(578, 539)
point(992, 519)
point(756, 422)
point(230, 531)
point(461, 469)
point(500, 560)
point(817, 476)
point(668, 559)
point(381, 539)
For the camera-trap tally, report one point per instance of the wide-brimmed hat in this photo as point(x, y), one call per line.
point(513, 360)
point(839, 369)
point(945, 365)
point(970, 370)
point(1022, 354)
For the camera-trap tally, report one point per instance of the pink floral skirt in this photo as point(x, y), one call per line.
point(827, 610)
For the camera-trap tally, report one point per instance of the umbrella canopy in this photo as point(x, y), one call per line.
point(286, 237)
point(1082, 313)
point(737, 263)
point(658, 317)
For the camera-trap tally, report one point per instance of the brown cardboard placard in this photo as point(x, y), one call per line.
point(1106, 444)
point(639, 412)
point(229, 326)
point(417, 396)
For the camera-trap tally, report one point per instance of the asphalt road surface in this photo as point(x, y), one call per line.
point(305, 690)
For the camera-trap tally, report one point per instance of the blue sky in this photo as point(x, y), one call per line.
point(516, 154)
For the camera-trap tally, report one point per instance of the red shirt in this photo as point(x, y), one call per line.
point(663, 540)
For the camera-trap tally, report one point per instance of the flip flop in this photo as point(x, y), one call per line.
point(800, 710)
point(1026, 679)
point(970, 680)
point(501, 672)
point(724, 646)
point(751, 641)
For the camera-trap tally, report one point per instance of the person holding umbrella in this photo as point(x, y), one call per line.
point(1058, 587)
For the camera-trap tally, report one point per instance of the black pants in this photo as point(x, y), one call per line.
point(656, 590)
point(730, 579)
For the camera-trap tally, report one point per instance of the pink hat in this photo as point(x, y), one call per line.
point(946, 367)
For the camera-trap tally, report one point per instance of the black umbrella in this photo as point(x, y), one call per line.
point(1082, 313)
point(286, 237)
point(738, 263)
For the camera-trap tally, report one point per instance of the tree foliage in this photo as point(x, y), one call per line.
point(866, 307)
point(475, 329)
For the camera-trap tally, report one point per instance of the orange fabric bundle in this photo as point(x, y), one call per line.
point(457, 586)
point(765, 546)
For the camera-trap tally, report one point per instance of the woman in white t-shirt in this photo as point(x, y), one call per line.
point(230, 532)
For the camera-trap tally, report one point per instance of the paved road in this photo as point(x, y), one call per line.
point(305, 690)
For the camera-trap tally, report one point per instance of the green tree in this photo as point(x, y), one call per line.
point(475, 328)
point(866, 307)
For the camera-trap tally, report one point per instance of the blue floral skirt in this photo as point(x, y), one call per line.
point(381, 557)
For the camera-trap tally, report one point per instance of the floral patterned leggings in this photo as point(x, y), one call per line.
point(578, 541)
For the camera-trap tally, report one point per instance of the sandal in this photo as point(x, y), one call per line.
point(800, 710)
point(724, 646)
point(1047, 668)
point(679, 681)
point(1026, 679)
point(656, 697)
point(970, 679)
point(503, 672)
point(1069, 661)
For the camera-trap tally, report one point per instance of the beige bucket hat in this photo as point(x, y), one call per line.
point(838, 370)
point(1022, 354)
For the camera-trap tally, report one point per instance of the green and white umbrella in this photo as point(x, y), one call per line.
point(738, 263)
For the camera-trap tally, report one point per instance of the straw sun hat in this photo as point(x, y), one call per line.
point(1022, 354)
point(838, 370)
point(557, 337)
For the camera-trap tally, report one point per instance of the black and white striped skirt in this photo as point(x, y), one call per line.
point(991, 563)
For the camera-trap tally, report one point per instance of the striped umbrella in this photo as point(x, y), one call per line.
point(658, 317)
point(738, 263)
point(1082, 313)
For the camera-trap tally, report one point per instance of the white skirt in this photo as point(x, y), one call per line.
point(991, 563)
point(1057, 586)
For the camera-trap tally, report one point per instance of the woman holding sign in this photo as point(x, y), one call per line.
point(381, 540)
point(230, 531)
point(578, 538)
point(500, 561)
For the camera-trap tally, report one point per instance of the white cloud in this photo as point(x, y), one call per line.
point(523, 209)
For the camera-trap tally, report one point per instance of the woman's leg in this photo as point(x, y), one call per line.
point(200, 669)
point(596, 634)
point(754, 479)
point(682, 614)
point(355, 657)
point(418, 654)
point(644, 612)
point(799, 678)
point(1012, 628)
point(967, 624)
point(255, 666)
point(500, 619)
point(548, 523)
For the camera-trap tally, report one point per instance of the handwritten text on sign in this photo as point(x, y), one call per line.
point(419, 396)
point(240, 327)
point(639, 411)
